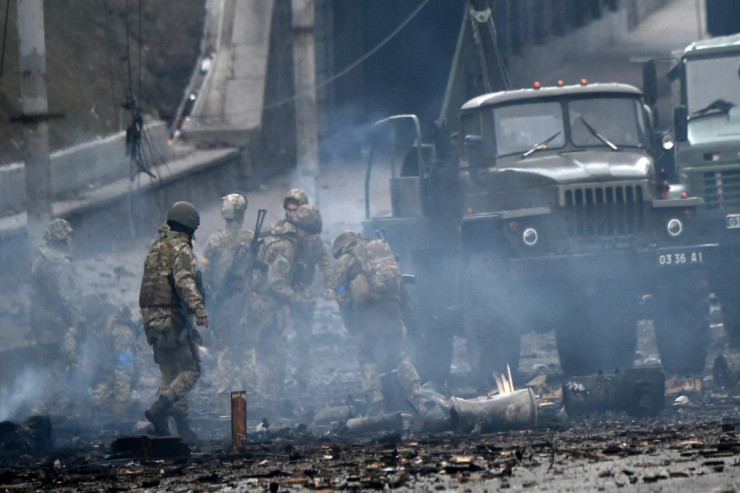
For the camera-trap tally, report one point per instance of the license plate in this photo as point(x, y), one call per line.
point(733, 221)
point(680, 258)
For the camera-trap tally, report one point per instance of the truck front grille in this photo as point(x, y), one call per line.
point(722, 189)
point(604, 210)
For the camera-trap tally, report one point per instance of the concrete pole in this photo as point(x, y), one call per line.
point(304, 67)
point(32, 48)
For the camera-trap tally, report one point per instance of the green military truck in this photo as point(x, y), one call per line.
point(702, 86)
point(555, 219)
point(537, 209)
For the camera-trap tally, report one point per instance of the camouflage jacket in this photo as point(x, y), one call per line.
point(346, 270)
point(225, 262)
point(169, 276)
point(311, 253)
point(55, 305)
point(274, 273)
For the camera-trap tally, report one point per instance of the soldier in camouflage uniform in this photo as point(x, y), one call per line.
point(272, 295)
point(109, 351)
point(56, 318)
point(168, 298)
point(377, 323)
point(311, 254)
point(225, 263)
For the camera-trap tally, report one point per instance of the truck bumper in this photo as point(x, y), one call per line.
point(651, 262)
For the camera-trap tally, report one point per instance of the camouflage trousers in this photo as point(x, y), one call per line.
point(235, 365)
point(265, 322)
point(111, 393)
point(301, 321)
point(380, 350)
point(179, 369)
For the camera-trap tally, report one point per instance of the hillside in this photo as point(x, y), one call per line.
point(90, 72)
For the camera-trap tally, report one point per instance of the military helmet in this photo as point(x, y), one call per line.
point(343, 241)
point(58, 230)
point(308, 218)
point(297, 196)
point(233, 206)
point(184, 213)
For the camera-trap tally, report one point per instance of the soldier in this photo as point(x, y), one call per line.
point(368, 288)
point(311, 253)
point(225, 262)
point(272, 294)
point(168, 298)
point(109, 354)
point(56, 318)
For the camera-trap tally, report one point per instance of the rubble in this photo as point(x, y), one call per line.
point(511, 410)
point(150, 447)
point(638, 391)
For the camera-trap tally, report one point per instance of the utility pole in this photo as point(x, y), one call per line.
point(32, 48)
point(304, 67)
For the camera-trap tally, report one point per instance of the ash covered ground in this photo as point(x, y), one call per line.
point(690, 446)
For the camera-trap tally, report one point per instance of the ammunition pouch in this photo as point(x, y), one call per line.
point(164, 331)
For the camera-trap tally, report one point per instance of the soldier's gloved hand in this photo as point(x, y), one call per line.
point(202, 321)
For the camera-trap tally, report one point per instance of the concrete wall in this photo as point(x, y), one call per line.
point(82, 167)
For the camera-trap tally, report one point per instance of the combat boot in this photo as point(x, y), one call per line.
point(184, 429)
point(157, 415)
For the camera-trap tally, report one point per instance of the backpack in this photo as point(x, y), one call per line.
point(380, 268)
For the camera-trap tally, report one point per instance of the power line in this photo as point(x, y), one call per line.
point(334, 77)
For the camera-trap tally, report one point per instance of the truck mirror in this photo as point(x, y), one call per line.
point(680, 123)
point(650, 82)
point(473, 150)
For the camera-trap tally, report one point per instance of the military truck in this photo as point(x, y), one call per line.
point(702, 86)
point(538, 209)
point(560, 222)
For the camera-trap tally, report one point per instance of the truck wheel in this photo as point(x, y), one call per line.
point(601, 332)
point(492, 336)
point(681, 321)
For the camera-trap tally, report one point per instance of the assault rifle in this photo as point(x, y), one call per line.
point(254, 246)
point(187, 336)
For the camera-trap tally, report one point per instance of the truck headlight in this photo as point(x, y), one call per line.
point(530, 237)
point(674, 227)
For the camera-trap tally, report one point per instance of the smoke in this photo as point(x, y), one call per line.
point(25, 392)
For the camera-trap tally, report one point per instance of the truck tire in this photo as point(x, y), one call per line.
point(492, 336)
point(681, 321)
point(601, 332)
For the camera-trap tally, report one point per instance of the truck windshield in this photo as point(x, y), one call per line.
point(712, 79)
point(612, 121)
point(522, 127)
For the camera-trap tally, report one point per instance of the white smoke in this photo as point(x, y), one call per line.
point(24, 392)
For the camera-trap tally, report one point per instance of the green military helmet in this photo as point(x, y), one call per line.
point(233, 206)
point(308, 218)
point(184, 213)
point(58, 230)
point(343, 241)
point(297, 196)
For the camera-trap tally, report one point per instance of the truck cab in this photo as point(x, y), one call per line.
point(702, 86)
